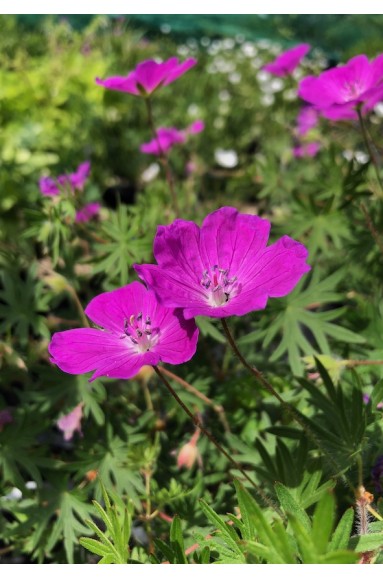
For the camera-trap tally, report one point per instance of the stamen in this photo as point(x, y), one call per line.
point(219, 287)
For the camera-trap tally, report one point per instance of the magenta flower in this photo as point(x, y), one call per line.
point(87, 212)
point(196, 127)
point(71, 422)
point(337, 92)
point(223, 268)
point(137, 331)
point(308, 149)
point(166, 139)
point(306, 120)
point(287, 62)
point(54, 186)
point(148, 76)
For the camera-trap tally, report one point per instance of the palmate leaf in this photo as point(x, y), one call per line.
point(125, 243)
point(114, 468)
point(301, 318)
point(320, 227)
point(56, 518)
point(22, 302)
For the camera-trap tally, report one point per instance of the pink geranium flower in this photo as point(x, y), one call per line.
point(148, 76)
point(287, 62)
point(338, 91)
point(137, 331)
point(306, 120)
point(168, 137)
point(308, 149)
point(71, 422)
point(87, 212)
point(223, 268)
point(54, 186)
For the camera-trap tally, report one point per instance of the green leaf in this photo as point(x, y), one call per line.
point(323, 521)
point(290, 506)
point(341, 536)
point(227, 532)
point(366, 542)
point(177, 541)
point(94, 546)
point(377, 394)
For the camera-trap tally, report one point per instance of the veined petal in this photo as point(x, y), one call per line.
point(278, 269)
point(171, 290)
point(228, 238)
point(178, 340)
point(176, 247)
point(110, 310)
point(78, 351)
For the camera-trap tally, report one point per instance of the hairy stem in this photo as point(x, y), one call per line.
point(197, 422)
point(217, 408)
point(163, 158)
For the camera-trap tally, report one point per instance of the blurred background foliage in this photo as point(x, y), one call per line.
point(52, 118)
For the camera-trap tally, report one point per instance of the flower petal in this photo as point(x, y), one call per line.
point(178, 339)
point(110, 310)
point(228, 238)
point(78, 351)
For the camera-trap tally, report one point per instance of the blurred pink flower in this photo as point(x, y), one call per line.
point(5, 418)
point(148, 76)
point(189, 453)
point(195, 127)
point(338, 91)
point(71, 422)
point(306, 120)
point(87, 212)
point(168, 137)
point(309, 149)
point(53, 186)
point(287, 62)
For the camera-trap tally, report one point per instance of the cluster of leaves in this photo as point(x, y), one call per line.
point(291, 536)
point(51, 266)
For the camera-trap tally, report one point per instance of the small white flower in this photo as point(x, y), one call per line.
point(226, 158)
point(150, 173)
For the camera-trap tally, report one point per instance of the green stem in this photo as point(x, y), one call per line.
point(197, 422)
point(369, 147)
point(371, 227)
point(163, 158)
point(285, 405)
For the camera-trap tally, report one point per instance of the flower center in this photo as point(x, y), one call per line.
point(352, 90)
point(140, 332)
point(219, 288)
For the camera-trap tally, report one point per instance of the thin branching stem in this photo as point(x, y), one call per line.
point(191, 389)
point(197, 422)
point(285, 405)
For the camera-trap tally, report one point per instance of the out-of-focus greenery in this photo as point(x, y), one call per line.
point(53, 117)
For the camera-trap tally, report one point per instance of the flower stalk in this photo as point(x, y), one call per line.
point(197, 422)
